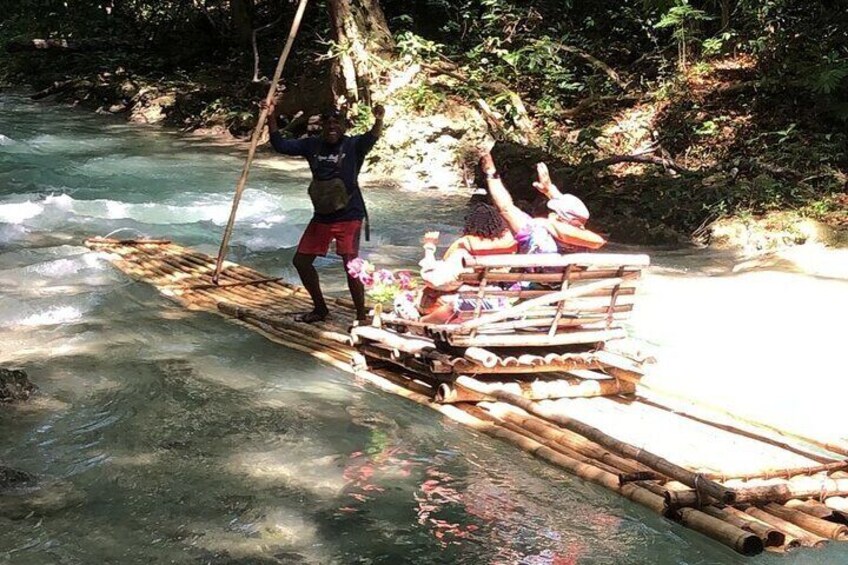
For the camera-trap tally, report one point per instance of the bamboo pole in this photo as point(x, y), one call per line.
point(563, 437)
point(790, 541)
point(538, 390)
point(814, 508)
point(110, 241)
point(768, 534)
point(482, 356)
point(798, 487)
point(810, 523)
point(806, 538)
point(254, 141)
point(537, 339)
point(521, 430)
point(414, 345)
point(744, 542)
point(661, 465)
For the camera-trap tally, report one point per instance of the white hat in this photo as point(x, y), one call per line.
point(569, 207)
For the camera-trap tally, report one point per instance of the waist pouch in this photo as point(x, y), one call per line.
point(328, 196)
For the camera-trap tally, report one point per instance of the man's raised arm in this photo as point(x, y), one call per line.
point(294, 147)
point(379, 115)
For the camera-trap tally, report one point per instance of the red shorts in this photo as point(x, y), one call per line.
point(317, 237)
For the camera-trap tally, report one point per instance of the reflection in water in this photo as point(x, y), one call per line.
point(164, 436)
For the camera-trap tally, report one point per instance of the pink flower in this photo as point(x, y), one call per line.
point(384, 276)
point(362, 270)
point(354, 267)
point(405, 280)
point(366, 278)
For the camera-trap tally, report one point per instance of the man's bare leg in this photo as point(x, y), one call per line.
point(357, 290)
point(309, 277)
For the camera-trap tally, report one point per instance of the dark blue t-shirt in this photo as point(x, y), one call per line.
point(342, 160)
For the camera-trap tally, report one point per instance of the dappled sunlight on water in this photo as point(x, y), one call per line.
point(165, 436)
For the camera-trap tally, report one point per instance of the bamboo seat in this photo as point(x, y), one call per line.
point(555, 300)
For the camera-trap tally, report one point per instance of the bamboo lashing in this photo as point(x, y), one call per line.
point(254, 141)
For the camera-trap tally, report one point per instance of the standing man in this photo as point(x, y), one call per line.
point(335, 160)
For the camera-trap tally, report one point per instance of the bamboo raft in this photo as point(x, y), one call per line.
point(575, 404)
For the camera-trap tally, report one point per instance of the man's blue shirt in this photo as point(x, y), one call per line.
point(342, 160)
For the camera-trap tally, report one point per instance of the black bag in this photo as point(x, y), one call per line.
point(328, 196)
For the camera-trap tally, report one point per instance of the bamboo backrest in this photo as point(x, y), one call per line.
point(538, 299)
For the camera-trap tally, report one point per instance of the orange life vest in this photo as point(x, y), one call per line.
point(575, 236)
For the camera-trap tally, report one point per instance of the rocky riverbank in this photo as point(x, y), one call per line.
point(674, 199)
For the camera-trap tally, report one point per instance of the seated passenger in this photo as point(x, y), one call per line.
point(485, 233)
point(562, 230)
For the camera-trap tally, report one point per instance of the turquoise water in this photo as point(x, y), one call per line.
point(163, 436)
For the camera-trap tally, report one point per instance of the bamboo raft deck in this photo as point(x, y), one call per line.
point(737, 483)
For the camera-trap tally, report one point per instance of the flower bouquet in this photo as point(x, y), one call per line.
point(384, 286)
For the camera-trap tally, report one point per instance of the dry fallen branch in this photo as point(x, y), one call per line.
point(597, 63)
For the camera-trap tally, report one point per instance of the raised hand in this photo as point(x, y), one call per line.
point(379, 111)
point(431, 238)
point(544, 184)
point(271, 108)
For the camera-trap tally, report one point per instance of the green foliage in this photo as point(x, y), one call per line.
point(717, 44)
point(421, 97)
point(683, 19)
point(830, 77)
point(415, 48)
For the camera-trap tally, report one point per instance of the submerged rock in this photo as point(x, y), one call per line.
point(14, 385)
point(12, 478)
point(34, 498)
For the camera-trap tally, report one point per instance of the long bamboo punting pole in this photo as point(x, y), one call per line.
point(705, 486)
point(254, 141)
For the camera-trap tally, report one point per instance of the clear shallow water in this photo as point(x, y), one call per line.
point(163, 436)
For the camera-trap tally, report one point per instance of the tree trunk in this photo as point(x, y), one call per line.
point(725, 14)
point(363, 37)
